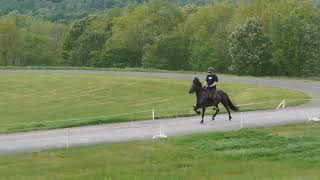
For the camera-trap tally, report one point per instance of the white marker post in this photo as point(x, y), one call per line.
point(241, 119)
point(153, 114)
point(313, 117)
point(68, 138)
point(160, 135)
point(282, 104)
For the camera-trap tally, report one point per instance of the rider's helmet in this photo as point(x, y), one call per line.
point(211, 69)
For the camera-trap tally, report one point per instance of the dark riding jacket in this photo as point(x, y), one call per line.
point(211, 78)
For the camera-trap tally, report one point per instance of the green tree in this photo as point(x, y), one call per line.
point(250, 49)
point(11, 41)
point(86, 39)
point(208, 33)
point(25, 40)
point(117, 58)
point(141, 25)
point(296, 44)
point(170, 52)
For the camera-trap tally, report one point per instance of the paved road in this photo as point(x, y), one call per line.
point(144, 130)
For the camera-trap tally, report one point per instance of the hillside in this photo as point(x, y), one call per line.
point(60, 10)
point(67, 10)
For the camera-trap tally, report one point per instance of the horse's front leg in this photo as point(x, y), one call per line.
point(203, 112)
point(195, 108)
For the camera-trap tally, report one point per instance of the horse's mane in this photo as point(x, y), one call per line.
point(197, 81)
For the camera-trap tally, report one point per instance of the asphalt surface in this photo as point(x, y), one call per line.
point(145, 130)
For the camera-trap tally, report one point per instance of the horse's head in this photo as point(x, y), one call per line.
point(196, 85)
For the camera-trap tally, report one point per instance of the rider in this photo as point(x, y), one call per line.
point(211, 82)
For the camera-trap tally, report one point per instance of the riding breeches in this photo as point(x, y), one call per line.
point(211, 91)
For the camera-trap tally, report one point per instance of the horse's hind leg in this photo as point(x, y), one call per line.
point(225, 104)
point(203, 112)
point(217, 111)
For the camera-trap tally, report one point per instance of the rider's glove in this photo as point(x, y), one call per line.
point(205, 85)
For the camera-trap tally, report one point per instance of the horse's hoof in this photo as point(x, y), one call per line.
point(212, 118)
point(198, 113)
point(230, 118)
point(201, 122)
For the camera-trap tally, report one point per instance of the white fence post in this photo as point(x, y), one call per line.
point(153, 114)
point(313, 117)
point(68, 138)
point(284, 103)
point(160, 135)
point(241, 119)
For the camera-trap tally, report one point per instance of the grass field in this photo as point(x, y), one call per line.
point(52, 97)
point(288, 152)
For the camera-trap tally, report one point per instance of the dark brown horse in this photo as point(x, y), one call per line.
point(204, 101)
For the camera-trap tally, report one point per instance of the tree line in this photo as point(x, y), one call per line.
point(25, 40)
point(258, 37)
point(64, 11)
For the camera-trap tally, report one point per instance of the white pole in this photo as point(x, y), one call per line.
point(152, 114)
point(160, 128)
point(68, 138)
point(283, 104)
point(241, 116)
point(280, 105)
point(308, 117)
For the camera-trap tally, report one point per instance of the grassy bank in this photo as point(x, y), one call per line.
point(288, 152)
point(74, 100)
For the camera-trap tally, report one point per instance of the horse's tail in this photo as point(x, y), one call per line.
point(231, 105)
